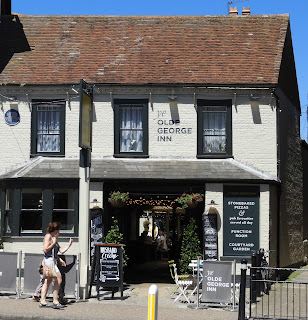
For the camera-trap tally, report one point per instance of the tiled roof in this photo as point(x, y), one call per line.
point(150, 50)
point(139, 169)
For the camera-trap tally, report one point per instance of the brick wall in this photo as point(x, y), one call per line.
point(291, 200)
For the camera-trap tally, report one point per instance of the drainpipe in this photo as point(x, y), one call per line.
point(278, 176)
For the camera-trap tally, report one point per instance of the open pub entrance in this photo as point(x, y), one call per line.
point(145, 221)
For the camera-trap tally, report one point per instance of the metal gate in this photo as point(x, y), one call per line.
point(274, 294)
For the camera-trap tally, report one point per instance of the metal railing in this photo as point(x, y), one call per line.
point(275, 297)
point(19, 274)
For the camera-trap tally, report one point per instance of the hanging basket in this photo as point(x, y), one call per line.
point(117, 203)
point(191, 203)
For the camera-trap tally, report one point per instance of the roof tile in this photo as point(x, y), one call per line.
point(150, 49)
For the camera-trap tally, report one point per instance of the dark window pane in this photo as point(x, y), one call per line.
point(32, 201)
point(31, 211)
point(31, 220)
point(63, 209)
point(66, 219)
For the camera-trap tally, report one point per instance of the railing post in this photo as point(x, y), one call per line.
point(19, 274)
point(258, 274)
point(241, 311)
point(253, 277)
point(198, 280)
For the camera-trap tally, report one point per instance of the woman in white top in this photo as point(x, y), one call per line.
point(50, 244)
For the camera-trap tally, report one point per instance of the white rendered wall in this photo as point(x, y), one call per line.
point(254, 133)
point(172, 127)
point(15, 140)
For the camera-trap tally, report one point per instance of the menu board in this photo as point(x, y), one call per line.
point(97, 229)
point(210, 237)
point(96, 234)
point(241, 221)
point(109, 265)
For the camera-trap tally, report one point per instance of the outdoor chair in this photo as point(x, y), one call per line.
point(180, 277)
point(182, 282)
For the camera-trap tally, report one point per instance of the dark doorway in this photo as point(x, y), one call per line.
point(141, 222)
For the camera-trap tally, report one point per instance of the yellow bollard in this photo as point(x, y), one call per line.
point(153, 302)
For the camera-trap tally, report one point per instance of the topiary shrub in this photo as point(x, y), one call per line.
point(115, 236)
point(190, 247)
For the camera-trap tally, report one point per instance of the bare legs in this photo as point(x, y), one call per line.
point(56, 286)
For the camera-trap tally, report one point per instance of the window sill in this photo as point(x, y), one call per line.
point(214, 156)
point(129, 155)
point(38, 236)
point(47, 155)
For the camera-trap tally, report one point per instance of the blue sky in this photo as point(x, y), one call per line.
point(298, 10)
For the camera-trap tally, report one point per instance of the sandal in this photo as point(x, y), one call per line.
point(44, 305)
point(58, 306)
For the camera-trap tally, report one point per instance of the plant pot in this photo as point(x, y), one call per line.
point(117, 203)
point(192, 203)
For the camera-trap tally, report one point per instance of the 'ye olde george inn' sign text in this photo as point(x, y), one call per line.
point(168, 128)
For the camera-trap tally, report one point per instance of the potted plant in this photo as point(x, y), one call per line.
point(190, 246)
point(118, 199)
point(190, 200)
point(115, 236)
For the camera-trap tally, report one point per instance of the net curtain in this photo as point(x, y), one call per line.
point(48, 125)
point(131, 135)
point(214, 124)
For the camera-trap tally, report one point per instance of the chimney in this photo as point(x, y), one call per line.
point(246, 11)
point(6, 7)
point(233, 11)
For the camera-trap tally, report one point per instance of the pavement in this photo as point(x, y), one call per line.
point(133, 306)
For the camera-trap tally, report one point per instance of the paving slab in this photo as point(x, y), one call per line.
point(133, 306)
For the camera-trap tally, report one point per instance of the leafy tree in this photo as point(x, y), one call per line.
point(115, 236)
point(190, 248)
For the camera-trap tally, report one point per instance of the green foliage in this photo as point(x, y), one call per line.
point(198, 197)
point(115, 236)
point(117, 195)
point(1, 243)
point(190, 248)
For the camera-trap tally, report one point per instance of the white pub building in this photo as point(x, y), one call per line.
point(181, 104)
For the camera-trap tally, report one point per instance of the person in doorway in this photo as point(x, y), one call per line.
point(162, 244)
point(50, 244)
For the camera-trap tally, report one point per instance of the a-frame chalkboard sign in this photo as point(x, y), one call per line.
point(108, 263)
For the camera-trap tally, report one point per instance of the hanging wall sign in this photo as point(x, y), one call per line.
point(12, 117)
point(241, 221)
